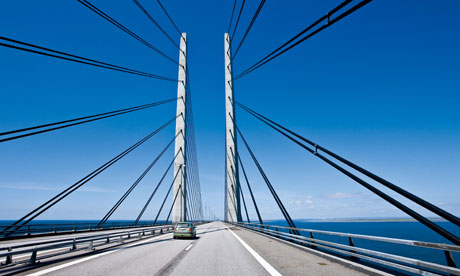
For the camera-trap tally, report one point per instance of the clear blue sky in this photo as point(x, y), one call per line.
point(381, 87)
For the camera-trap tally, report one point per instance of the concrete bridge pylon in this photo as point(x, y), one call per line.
point(232, 187)
point(180, 186)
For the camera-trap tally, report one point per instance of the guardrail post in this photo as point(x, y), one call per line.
point(129, 235)
point(107, 240)
point(54, 228)
point(277, 233)
point(161, 231)
point(143, 232)
point(312, 237)
point(153, 232)
point(292, 233)
point(33, 257)
point(9, 258)
point(74, 244)
point(290, 237)
point(450, 258)
point(90, 246)
point(28, 230)
point(350, 241)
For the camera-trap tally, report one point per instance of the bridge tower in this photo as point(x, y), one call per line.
point(180, 185)
point(232, 187)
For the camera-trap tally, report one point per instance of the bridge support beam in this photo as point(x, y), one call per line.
point(232, 187)
point(179, 187)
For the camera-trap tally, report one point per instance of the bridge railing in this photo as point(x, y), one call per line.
point(32, 249)
point(11, 232)
point(355, 253)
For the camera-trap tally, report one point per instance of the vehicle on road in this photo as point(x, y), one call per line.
point(184, 230)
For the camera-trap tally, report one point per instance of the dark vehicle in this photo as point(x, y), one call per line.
point(184, 230)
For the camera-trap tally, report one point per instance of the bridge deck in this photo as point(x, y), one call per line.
point(216, 251)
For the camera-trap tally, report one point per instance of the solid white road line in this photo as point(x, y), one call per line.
point(188, 247)
point(45, 271)
point(270, 269)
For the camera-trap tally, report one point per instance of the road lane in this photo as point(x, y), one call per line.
point(85, 259)
point(214, 252)
point(217, 252)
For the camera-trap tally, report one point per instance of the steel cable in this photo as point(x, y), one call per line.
point(70, 57)
point(156, 23)
point(444, 214)
point(156, 188)
point(169, 17)
point(134, 185)
point(237, 20)
point(259, 8)
point(166, 196)
point(111, 114)
point(123, 28)
point(433, 226)
point(54, 200)
point(231, 17)
point(329, 23)
point(269, 185)
point(250, 190)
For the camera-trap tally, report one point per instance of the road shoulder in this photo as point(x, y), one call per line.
point(293, 260)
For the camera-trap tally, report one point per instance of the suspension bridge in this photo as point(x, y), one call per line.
point(237, 245)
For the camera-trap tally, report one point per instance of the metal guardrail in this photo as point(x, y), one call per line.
point(73, 243)
point(355, 253)
point(10, 231)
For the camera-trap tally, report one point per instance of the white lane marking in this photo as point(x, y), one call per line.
point(45, 271)
point(188, 247)
point(270, 269)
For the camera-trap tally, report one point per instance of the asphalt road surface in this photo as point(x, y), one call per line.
point(217, 250)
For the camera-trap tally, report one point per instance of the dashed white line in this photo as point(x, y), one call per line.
point(45, 271)
point(270, 269)
point(188, 247)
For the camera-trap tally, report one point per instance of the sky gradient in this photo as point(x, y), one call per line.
point(381, 88)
